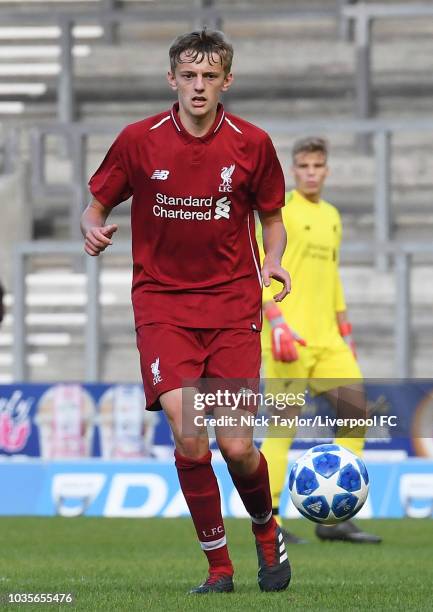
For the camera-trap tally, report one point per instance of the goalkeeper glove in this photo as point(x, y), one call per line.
point(283, 338)
point(345, 329)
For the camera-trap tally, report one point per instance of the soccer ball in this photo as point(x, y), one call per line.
point(328, 484)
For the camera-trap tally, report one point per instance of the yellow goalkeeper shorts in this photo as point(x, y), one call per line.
point(318, 368)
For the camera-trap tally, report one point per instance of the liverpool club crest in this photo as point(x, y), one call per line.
point(226, 177)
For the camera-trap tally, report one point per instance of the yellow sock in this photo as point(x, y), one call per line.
point(275, 448)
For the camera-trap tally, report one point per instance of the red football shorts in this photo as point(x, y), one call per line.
point(169, 355)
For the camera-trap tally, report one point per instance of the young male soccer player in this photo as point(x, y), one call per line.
point(308, 339)
point(196, 173)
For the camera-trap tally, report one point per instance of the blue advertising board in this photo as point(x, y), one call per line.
point(139, 489)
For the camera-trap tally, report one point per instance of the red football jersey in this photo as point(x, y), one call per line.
point(196, 262)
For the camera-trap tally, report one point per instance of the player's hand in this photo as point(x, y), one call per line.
point(98, 238)
point(272, 269)
point(283, 338)
point(346, 333)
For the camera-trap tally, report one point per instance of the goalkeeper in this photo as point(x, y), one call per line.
point(307, 339)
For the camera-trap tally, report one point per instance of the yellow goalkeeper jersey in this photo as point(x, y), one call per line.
point(311, 257)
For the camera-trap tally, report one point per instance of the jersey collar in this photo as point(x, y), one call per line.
point(186, 136)
point(298, 197)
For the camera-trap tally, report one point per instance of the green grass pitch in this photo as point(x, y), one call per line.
point(149, 564)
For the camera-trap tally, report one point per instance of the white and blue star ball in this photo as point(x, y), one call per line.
point(328, 484)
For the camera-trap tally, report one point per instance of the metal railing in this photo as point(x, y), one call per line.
point(400, 253)
point(9, 150)
point(382, 130)
point(364, 15)
point(92, 330)
point(110, 14)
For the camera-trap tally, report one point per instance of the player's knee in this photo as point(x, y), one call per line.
point(194, 448)
point(236, 451)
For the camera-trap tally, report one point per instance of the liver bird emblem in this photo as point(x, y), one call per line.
point(226, 176)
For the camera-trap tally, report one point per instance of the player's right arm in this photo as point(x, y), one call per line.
point(283, 338)
point(97, 235)
point(274, 241)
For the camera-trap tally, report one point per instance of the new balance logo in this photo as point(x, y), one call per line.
point(160, 175)
point(316, 507)
point(154, 367)
point(222, 208)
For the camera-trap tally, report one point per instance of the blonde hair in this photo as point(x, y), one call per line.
point(200, 44)
point(311, 144)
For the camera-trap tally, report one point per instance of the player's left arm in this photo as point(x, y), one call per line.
point(274, 244)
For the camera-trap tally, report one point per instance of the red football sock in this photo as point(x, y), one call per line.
point(255, 493)
point(200, 488)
